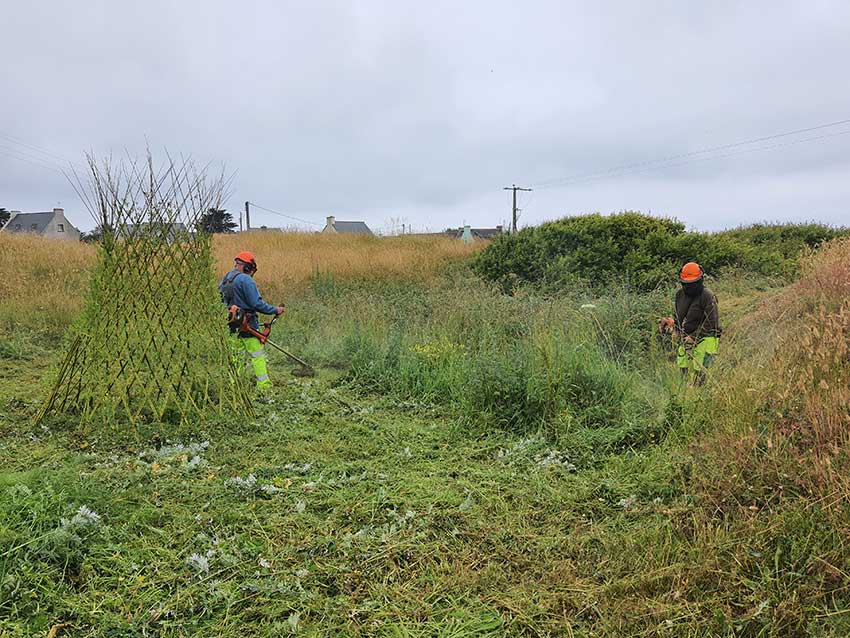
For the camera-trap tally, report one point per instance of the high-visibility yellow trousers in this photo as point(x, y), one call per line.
point(695, 359)
point(239, 346)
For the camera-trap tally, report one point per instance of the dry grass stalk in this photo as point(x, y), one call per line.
point(800, 385)
point(288, 260)
point(42, 274)
point(54, 274)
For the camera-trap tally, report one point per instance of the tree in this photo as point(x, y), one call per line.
point(95, 236)
point(4, 216)
point(216, 220)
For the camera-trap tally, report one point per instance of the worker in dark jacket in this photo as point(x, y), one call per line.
point(238, 288)
point(697, 325)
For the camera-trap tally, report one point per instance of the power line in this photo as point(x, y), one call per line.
point(34, 160)
point(48, 155)
point(275, 212)
point(655, 167)
point(663, 162)
point(745, 151)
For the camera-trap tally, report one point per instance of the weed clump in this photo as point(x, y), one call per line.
point(521, 364)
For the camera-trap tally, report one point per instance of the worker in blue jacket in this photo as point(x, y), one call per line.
point(238, 288)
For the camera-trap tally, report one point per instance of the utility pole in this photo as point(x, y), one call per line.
point(247, 216)
point(515, 188)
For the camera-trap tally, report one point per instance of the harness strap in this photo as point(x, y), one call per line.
point(227, 293)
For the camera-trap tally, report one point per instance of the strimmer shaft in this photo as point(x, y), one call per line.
point(288, 354)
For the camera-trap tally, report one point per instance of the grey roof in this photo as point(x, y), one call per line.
point(174, 229)
point(26, 220)
point(355, 228)
point(486, 233)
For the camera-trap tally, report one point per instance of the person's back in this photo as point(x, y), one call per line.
point(238, 288)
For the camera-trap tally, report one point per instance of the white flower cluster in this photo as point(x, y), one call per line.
point(533, 449)
point(200, 563)
point(628, 503)
point(185, 457)
point(346, 479)
point(554, 458)
point(250, 486)
point(298, 469)
point(396, 523)
point(519, 449)
point(83, 519)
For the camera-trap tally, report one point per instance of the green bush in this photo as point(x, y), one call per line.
point(639, 251)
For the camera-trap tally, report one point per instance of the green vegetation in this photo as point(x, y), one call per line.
point(641, 251)
point(520, 364)
point(468, 463)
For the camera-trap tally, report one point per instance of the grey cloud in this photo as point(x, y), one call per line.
point(424, 111)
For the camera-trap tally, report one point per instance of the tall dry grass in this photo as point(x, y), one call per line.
point(783, 413)
point(287, 261)
point(42, 275)
point(42, 278)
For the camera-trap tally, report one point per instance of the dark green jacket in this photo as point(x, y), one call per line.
point(697, 316)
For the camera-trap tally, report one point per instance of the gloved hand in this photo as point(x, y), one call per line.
point(280, 309)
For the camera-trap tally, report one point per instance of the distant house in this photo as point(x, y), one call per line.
point(469, 234)
point(348, 228)
point(169, 232)
point(52, 224)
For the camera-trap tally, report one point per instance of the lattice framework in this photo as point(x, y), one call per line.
point(151, 345)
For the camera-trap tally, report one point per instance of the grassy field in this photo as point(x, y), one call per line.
point(466, 464)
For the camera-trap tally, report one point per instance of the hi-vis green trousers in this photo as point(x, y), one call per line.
point(694, 359)
point(251, 345)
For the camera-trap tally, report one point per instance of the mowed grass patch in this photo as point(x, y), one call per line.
point(331, 514)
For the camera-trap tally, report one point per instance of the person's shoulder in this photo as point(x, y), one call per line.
point(244, 279)
point(708, 294)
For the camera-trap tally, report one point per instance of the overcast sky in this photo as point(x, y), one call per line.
point(424, 111)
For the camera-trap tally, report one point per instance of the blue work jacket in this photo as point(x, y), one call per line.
point(243, 292)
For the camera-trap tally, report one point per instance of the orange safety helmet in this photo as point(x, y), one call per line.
point(248, 259)
point(691, 272)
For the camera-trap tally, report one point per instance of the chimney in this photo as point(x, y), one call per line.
point(466, 236)
point(331, 220)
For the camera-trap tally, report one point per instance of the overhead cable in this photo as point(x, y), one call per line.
point(690, 156)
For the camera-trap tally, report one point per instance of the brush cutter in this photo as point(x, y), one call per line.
point(240, 320)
